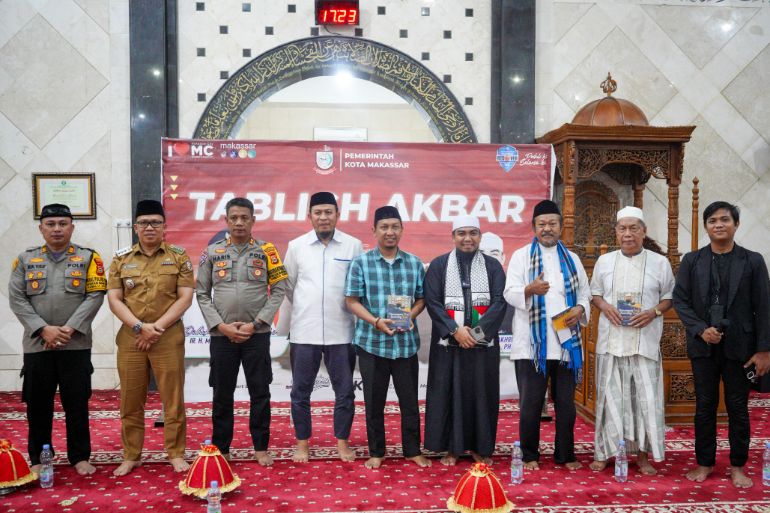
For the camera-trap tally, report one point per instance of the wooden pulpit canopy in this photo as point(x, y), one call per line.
point(613, 136)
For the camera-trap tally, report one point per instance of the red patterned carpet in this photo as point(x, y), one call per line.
point(328, 485)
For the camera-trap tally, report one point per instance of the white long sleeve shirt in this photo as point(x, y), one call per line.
point(555, 300)
point(316, 288)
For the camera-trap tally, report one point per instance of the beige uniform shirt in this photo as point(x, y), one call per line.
point(67, 291)
point(149, 282)
point(246, 285)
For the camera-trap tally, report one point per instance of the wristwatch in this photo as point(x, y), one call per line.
point(454, 331)
point(256, 324)
point(137, 327)
point(658, 313)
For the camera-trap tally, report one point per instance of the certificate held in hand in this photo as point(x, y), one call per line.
point(399, 311)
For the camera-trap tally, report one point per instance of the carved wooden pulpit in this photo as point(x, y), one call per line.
point(610, 146)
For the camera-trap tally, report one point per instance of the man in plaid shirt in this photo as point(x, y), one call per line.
point(384, 352)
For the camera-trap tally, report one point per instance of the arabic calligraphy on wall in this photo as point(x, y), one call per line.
point(306, 58)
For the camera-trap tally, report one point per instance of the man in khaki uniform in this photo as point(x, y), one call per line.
point(239, 270)
point(55, 291)
point(150, 287)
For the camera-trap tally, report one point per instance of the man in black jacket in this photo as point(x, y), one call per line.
point(722, 296)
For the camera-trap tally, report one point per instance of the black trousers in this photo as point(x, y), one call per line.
point(340, 361)
point(376, 372)
point(70, 371)
point(707, 372)
point(226, 359)
point(532, 386)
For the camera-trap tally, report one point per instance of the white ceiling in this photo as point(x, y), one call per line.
point(340, 89)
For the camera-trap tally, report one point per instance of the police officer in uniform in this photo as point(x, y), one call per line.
point(150, 287)
point(55, 291)
point(239, 316)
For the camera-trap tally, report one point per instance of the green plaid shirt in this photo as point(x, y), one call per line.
point(371, 278)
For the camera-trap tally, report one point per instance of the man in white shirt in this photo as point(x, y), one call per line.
point(632, 287)
point(321, 324)
point(543, 280)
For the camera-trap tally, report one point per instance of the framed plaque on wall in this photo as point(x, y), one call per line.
point(76, 190)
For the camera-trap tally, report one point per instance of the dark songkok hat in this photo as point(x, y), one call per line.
point(386, 213)
point(149, 208)
point(55, 210)
point(546, 207)
point(323, 198)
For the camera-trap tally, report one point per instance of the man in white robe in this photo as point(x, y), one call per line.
point(632, 287)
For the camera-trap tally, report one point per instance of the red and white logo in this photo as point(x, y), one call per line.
point(324, 161)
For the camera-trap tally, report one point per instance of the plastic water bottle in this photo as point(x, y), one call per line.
point(621, 463)
point(46, 472)
point(517, 464)
point(215, 498)
point(766, 465)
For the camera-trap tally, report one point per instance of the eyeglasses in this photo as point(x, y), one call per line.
point(145, 224)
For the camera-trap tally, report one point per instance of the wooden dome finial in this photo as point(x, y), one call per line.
point(609, 86)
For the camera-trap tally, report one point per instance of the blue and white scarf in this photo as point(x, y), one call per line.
point(571, 349)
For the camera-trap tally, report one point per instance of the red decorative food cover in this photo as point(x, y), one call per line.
point(14, 470)
point(209, 466)
point(479, 491)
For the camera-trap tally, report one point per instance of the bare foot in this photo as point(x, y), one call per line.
point(531, 465)
point(450, 460)
point(84, 468)
point(179, 464)
point(739, 478)
point(598, 465)
point(573, 465)
point(263, 458)
point(643, 462)
point(699, 474)
point(36, 468)
point(302, 454)
point(373, 463)
point(422, 461)
point(226, 456)
point(126, 467)
point(481, 459)
point(343, 449)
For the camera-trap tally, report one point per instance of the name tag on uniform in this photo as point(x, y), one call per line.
point(132, 266)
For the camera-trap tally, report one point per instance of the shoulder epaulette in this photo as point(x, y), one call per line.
point(124, 251)
point(33, 248)
point(176, 249)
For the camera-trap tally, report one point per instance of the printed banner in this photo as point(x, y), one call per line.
point(431, 184)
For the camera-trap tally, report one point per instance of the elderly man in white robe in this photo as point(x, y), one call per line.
point(632, 287)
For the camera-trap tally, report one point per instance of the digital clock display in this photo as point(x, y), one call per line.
point(336, 12)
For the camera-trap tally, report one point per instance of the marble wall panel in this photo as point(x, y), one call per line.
point(704, 64)
point(64, 93)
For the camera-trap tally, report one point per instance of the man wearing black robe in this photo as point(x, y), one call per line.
point(464, 290)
